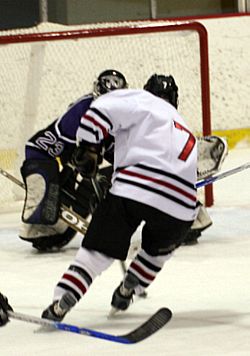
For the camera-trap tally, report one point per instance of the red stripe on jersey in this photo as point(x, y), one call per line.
point(96, 123)
point(160, 182)
point(75, 281)
point(142, 272)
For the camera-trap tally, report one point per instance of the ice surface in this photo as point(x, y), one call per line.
point(207, 286)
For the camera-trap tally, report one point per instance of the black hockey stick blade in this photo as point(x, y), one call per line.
point(153, 324)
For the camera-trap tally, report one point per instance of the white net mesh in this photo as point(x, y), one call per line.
point(40, 79)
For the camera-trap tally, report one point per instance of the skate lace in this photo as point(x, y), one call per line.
point(125, 291)
point(58, 310)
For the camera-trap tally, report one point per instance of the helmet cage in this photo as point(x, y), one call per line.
point(107, 81)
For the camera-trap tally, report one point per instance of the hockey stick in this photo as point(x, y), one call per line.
point(78, 223)
point(148, 328)
point(74, 220)
point(212, 179)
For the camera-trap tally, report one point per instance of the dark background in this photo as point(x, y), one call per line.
point(27, 13)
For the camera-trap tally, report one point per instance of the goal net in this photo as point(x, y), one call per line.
point(44, 71)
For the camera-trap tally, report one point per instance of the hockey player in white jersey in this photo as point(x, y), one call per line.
point(58, 140)
point(155, 171)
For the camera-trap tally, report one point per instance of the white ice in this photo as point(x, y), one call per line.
point(207, 287)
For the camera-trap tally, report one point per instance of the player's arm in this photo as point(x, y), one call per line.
point(109, 145)
point(93, 130)
point(49, 144)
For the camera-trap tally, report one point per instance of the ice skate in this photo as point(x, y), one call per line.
point(57, 310)
point(123, 294)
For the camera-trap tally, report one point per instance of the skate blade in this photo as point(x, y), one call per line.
point(44, 329)
point(113, 312)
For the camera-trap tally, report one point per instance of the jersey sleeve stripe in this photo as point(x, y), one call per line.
point(97, 124)
point(102, 116)
point(91, 130)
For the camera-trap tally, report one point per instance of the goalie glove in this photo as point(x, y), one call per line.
point(4, 308)
point(212, 151)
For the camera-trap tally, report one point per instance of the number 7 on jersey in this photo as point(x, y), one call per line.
point(187, 149)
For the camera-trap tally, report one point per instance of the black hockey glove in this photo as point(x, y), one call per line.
point(4, 307)
point(85, 160)
point(101, 185)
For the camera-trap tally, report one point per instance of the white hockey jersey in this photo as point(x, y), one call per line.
point(155, 159)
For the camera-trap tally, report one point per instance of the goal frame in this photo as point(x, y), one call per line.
point(154, 26)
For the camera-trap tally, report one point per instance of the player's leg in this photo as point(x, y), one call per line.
point(161, 235)
point(140, 274)
point(108, 238)
point(76, 281)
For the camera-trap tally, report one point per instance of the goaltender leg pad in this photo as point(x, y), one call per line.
point(42, 203)
point(47, 237)
point(201, 223)
point(212, 151)
point(53, 243)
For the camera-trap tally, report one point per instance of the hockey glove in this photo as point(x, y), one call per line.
point(4, 307)
point(101, 186)
point(42, 203)
point(212, 151)
point(85, 160)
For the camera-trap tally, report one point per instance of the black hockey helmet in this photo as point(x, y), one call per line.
point(164, 87)
point(109, 80)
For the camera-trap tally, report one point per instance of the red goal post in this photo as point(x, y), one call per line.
point(45, 71)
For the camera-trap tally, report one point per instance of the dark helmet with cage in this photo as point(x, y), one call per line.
point(109, 80)
point(164, 87)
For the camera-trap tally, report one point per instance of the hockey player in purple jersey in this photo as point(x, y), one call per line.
point(155, 170)
point(48, 185)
